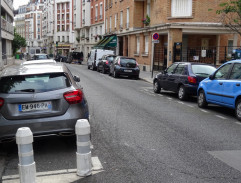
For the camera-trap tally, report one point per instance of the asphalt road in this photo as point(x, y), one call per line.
point(140, 136)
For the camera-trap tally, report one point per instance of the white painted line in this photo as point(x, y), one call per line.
point(190, 105)
point(180, 102)
point(204, 111)
point(160, 95)
point(238, 123)
point(220, 117)
point(96, 164)
point(169, 98)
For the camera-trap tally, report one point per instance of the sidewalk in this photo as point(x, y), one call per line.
point(147, 76)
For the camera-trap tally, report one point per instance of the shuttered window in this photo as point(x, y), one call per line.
point(181, 8)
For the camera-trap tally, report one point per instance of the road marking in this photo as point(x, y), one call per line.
point(204, 111)
point(96, 164)
point(180, 102)
point(169, 98)
point(190, 105)
point(160, 95)
point(220, 117)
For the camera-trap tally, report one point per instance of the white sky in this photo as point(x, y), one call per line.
point(17, 3)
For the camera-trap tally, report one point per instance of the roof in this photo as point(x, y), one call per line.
point(39, 61)
point(29, 69)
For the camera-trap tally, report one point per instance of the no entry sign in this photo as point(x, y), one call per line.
point(155, 36)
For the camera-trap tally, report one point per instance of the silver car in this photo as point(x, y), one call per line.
point(44, 97)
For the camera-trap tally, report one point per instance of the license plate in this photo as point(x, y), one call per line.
point(35, 106)
point(127, 70)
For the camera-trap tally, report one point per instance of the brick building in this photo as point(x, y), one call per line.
point(188, 31)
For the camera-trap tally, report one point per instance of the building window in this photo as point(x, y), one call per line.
point(100, 30)
point(67, 38)
point(110, 23)
point(101, 7)
point(62, 6)
point(96, 12)
point(67, 6)
point(58, 6)
point(230, 48)
point(106, 24)
point(137, 45)
point(62, 38)
point(181, 8)
point(115, 20)
point(67, 28)
point(63, 28)
point(146, 44)
point(127, 18)
point(121, 19)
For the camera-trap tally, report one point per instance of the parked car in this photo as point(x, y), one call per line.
point(44, 97)
point(94, 57)
point(75, 57)
point(182, 78)
point(223, 87)
point(124, 66)
point(104, 63)
point(60, 58)
point(40, 56)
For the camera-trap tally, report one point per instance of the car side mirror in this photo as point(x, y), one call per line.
point(211, 77)
point(76, 79)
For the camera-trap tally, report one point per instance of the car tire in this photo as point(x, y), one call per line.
point(109, 73)
point(201, 99)
point(182, 94)
point(115, 75)
point(238, 110)
point(88, 67)
point(156, 87)
point(103, 70)
point(137, 77)
point(97, 69)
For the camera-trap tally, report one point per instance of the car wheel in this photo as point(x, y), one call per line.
point(137, 77)
point(182, 94)
point(156, 87)
point(238, 110)
point(98, 70)
point(88, 67)
point(201, 99)
point(103, 70)
point(115, 75)
point(109, 73)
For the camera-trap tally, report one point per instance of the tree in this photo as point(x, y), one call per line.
point(18, 42)
point(231, 15)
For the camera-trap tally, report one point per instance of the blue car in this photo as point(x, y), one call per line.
point(223, 87)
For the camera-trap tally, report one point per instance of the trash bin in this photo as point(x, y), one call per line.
point(17, 56)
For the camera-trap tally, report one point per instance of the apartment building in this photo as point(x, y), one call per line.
point(64, 34)
point(187, 31)
point(19, 20)
point(48, 27)
point(7, 32)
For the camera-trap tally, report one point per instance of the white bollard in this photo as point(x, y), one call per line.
point(27, 167)
point(83, 154)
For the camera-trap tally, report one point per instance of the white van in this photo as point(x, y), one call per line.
point(94, 57)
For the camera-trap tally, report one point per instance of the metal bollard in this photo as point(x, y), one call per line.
point(27, 167)
point(83, 154)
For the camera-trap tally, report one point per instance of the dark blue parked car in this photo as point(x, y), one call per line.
point(223, 87)
point(182, 78)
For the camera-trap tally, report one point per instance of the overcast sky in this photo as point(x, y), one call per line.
point(17, 3)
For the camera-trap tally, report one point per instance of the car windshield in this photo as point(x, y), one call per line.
point(34, 83)
point(111, 58)
point(42, 57)
point(125, 61)
point(203, 70)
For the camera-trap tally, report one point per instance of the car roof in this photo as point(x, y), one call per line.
point(234, 61)
point(40, 54)
point(39, 61)
point(30, 69)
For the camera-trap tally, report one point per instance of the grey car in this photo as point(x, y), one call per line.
point(44, 97)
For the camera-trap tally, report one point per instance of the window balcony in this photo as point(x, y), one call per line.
point(6, 26)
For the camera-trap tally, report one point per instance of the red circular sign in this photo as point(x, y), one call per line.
point(155, 36)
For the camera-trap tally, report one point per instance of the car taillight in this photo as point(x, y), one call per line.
point(1, 102)
point(137, 65)
point(106, 62)
point(119, 62)
point(73, 97)
point(192, 80)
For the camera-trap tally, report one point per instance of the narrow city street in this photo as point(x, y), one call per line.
point(140, 136)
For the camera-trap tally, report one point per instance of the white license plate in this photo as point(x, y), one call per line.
point(35, 106)
point(127, 70)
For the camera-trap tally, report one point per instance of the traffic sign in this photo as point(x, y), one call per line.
point(155, 36)
point(155, 41)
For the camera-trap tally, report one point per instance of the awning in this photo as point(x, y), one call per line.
point(107, 42)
